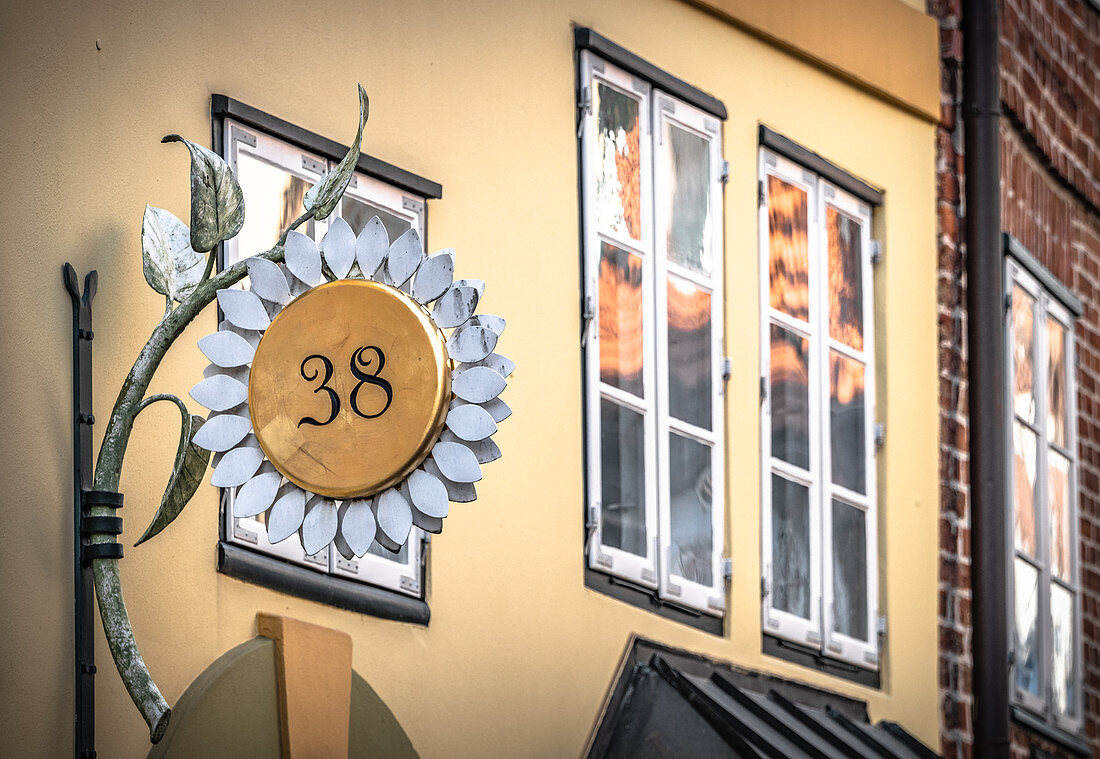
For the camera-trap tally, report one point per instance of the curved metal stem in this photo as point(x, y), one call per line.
point(116, 622)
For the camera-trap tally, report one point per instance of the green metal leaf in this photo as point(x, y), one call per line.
point(172, 267)
point(187, 474)
point(323, 196)
point(217, 203)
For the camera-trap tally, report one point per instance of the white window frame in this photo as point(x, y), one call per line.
point(652, 571)
point(1046, 306)
point(817, 631)
point(404, 578)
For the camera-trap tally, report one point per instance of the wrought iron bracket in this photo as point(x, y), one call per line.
point(83, 419)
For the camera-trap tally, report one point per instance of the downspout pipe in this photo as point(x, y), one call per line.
point(986, 384)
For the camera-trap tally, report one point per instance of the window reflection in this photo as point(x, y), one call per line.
point(621, 319)
point(622, 495)
point(1023, 397)
point(690, 513)
point(1056, 383)
point(1058, 494)
point(357, 213)
point(1063, 678)
point(790, 547)
point(847, 428)
point(790, 397)
point(849, 570)
point(1027, 642)
point(618, 186)
point(273, 198)
point(788, 248)
point(1024, 471)
point(689, 225)
point(690, 360)
point(845, 279)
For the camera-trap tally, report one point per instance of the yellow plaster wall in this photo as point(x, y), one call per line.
point(477, 96)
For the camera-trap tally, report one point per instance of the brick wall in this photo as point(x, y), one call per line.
point(1050, 166)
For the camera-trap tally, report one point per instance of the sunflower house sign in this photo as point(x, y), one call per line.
point(353, 389)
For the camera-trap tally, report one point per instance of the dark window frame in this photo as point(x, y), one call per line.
point(271, 571)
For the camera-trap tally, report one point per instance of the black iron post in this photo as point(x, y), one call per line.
point(986, 381)
point(84, 724)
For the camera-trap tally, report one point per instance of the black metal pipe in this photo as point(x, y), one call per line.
point(986, 382)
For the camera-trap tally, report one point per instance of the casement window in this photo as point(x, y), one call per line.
point(274, 174)
point(818, 506)
point(1042, 490)
point(652, 221)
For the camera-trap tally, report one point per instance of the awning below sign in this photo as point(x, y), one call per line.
point(668, 703)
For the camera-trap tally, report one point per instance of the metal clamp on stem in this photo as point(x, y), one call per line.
point(100, 525)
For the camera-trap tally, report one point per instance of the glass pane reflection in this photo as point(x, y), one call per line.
point(790, 398)
point(1027, 640)
point(358, 212)
point(788, 249)
point(273, 198)
point(1056, 383)
point(401, 557)
point(1063, 678)
point(1024, 471)
point(621, 319)
point(1058, 495)
point(689, 220)
point(847, 428)
point(1023, 395)
point(692, 548)
point(790, 547)
point(849, 570)
point(618, 188)
point(845, 278)
point(622, 495)
point(690, 363)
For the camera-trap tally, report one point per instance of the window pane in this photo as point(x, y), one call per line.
point(690, 361)
point(849, 570)
point(358, 212)
point(689, 219)
point(790, 399)
point(1024, 470)
point(1023, 397)
point(845, 278)
point(790, 547)
point(788, 248)
point(1058, 493)
point(1063, 677)
point(692, 540)
point(622, 496)
point(621, 319)
point(1056, 383)
point(618, 188)
point(401, 557)
point(847, 430)
point(1027, 640)
point(273, 198)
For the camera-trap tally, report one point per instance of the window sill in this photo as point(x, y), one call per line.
point(1029, 722)
point(812, 658)
point(647, 599)
point(284, 577)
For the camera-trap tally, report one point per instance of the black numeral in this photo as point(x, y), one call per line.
point(358, 366)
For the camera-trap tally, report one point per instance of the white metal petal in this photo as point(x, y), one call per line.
point(434, 276)
point(428, 494)
point(477, 284)
point(243, 308)
point(404, 257)
point(286, 513)
point(497, 409)
point(319, 525)
point(478, 385)
point(226, 349)
point(495, 361)
point(456, 462)
point(491, 322)
point(219, 393)
point(257, 494)
point(457, 492)
point(455, 307)
point(485, 450)
point(222, 432)
point(394, 517)
point(357, 526)
point(471, 422)
point(302, 258)
point(469, 344)
point(427, 523)
point(268, 280)
point(338, 247)
point(237, 467)
point(297, 286)
point(371, 246)
point(251, 336)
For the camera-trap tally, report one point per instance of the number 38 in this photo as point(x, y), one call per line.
point(358, 366)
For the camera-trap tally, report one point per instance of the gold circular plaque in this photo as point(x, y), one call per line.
point(349, 388)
